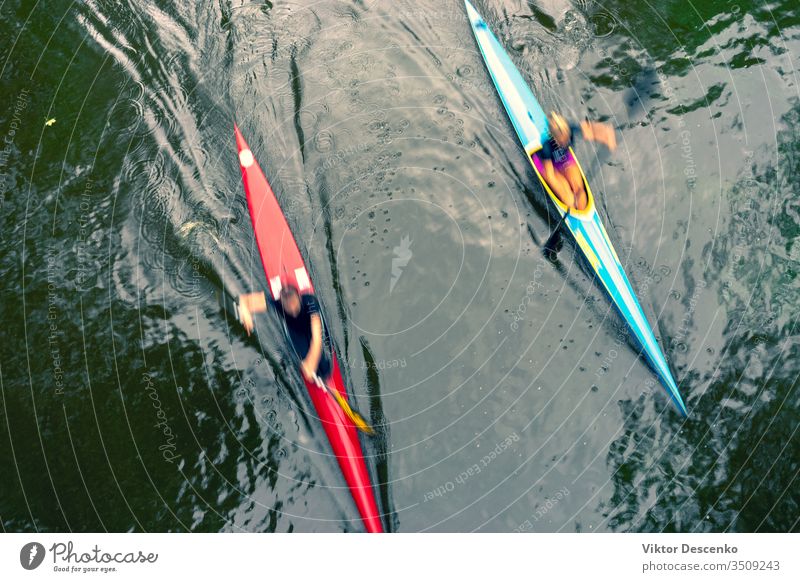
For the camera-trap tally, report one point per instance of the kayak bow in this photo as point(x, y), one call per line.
point(530, 123)
point(280, 256)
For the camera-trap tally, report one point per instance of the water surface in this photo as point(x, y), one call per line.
point(507, 392)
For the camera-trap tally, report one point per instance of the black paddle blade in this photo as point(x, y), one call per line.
point(555, 242)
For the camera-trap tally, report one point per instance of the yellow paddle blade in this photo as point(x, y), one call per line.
point(360, 423)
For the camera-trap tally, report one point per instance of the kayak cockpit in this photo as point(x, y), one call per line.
point(538, 166)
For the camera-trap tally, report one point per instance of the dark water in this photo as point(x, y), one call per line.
point(130, 403)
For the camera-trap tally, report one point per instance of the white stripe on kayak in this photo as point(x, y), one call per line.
point(598, 242)
point(275, 286)
point(508, 91)
point(246, 158)
point(301, 276)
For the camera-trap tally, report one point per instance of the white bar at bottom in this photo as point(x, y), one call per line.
point(352, 557)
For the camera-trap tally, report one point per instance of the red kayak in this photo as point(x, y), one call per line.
point(282, 260)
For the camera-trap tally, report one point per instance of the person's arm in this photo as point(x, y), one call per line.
point(311, 361)
point(599, 132)
point(249, 304)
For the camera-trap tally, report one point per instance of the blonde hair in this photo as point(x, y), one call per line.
point(557, 120)
point(558, 123)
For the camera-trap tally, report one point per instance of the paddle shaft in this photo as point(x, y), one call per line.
point(550, 240)
point(354, 416)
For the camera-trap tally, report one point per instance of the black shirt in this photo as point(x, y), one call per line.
point(301, 324)
point(299, 331)
point(552, 151)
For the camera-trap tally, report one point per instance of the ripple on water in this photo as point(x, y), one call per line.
point(603, 24)
point(323, 141)
point(129, 108)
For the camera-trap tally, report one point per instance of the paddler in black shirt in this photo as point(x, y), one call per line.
point(560, 170)
point(303, 326)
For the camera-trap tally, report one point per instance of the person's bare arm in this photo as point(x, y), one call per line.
point(311, 361)
point(599, 132)
point(249, 304)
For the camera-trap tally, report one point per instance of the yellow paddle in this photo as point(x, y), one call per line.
point(357, 419)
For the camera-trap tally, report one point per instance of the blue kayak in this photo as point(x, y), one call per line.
point(530, 123)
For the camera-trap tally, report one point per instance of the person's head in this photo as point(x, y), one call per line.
point(290, 299)
point(559, 129)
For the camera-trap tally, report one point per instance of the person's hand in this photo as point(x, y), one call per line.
point(245, 317)
point(605, 133)
point(308, 371)
point(609, 136)
point(600, 132)
point(249, 304)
